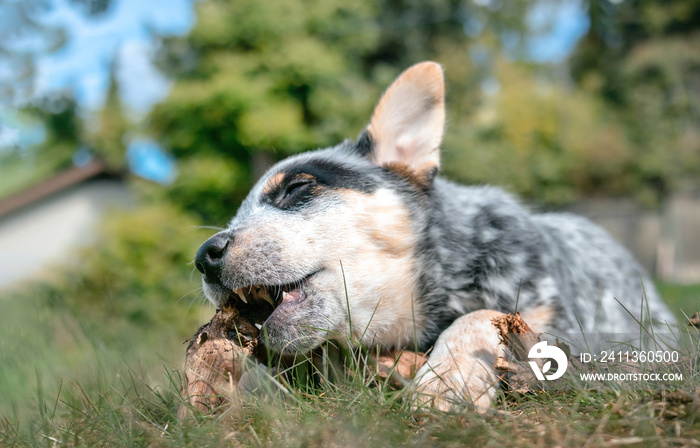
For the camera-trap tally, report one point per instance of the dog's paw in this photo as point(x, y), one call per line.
point(460, 370)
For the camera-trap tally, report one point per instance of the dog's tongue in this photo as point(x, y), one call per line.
point(291, 296)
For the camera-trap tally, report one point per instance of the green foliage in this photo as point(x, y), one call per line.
point(272, 81)
point(62, 129)
point(292, 76)
point(60, 117)
point(540, 140)
point(256, 81)
point(59, 130)
point(56, 119)
point(284, 79)
point(207, 185)
point(295, 75)
point(108, 139)
point(641, 58)
point(139, 270)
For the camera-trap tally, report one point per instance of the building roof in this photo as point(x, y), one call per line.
point(61, 181)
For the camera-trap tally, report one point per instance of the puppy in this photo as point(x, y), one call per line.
point(363, 241)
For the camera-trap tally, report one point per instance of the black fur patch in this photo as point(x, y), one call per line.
point(303, 182)
point(364, 144)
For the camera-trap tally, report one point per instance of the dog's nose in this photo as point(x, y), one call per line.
point(209, 258)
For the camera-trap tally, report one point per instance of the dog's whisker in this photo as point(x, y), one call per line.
point(194, 269)
point(198, 290)
point(192, 302)
point(204, 302)
point(220, 229)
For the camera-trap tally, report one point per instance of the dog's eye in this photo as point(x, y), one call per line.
point(296, 186)
point(296, 193)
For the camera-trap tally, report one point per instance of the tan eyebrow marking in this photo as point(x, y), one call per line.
point(273, 183)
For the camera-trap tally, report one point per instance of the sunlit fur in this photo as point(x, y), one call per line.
point(398, 255)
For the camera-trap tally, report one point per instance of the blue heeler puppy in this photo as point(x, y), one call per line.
point(426, 262)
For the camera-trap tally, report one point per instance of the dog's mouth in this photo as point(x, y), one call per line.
point(257, 302)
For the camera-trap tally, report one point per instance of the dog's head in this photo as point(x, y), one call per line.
point(324, 246)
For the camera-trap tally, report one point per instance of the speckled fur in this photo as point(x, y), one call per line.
point(482, 249)
point(415, 251)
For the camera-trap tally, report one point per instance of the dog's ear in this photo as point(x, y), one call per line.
point(407, 125)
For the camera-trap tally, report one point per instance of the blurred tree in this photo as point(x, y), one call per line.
point(63, 128)
point(271, 81)
point(642, 58)
point(108, 138)
point(56, 130)
point(52, 118)
point(255, 81)
point(65, 132)
point(282, 79)
point(540, 139)
point(24, 37)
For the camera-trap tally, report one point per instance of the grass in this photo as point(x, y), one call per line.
point(684, 299)
point(90, 372)
point(42, 346)
point(124, 410)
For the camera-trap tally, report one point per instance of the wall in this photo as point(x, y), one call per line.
point(666, 241)
point(45, 233)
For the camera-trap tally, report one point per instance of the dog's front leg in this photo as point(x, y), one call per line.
point(460, 368)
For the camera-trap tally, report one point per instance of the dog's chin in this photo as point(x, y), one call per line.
point(296, 325)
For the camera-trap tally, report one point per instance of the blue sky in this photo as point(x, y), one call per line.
point(560, 25)
point(124, 31)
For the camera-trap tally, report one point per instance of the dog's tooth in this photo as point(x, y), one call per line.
point(258, 326)
point(241, 294)
point(268, 299)
point(262, 293)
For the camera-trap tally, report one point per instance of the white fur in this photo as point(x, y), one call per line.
point(460, 368)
